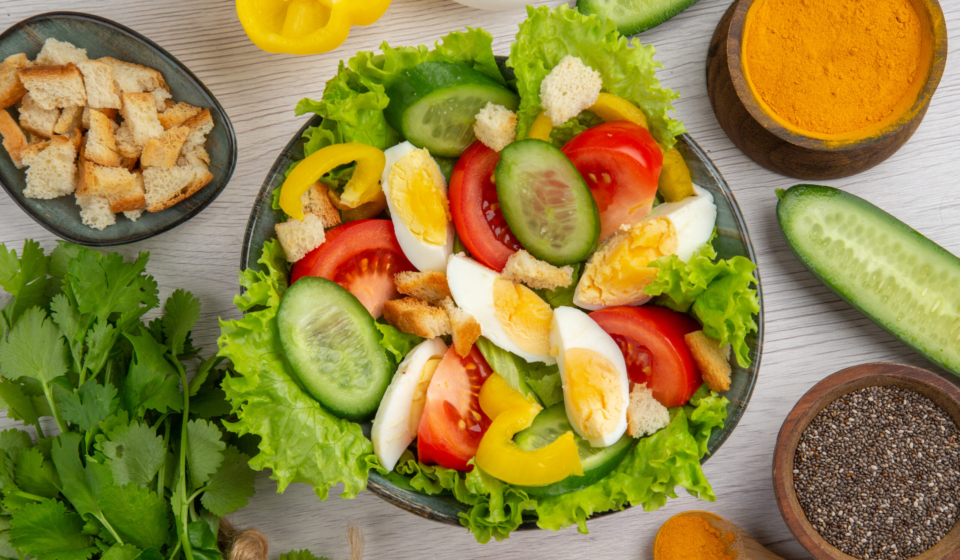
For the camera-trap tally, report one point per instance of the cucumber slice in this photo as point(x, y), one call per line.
point(546, 202)
point(597, 462)
point(333, 346)
point(904, 282)
point(635, 16)
point(435, 105)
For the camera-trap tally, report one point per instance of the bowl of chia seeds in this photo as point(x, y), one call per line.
point(867, 466)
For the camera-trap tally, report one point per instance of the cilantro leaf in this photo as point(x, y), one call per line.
point(35, 474)
point(121, 552)
point(25, 278)
point(104, 284)
point(206, 366)
point(203, 541)
point(134, 452)
point(47, 530)
point(20, 406)
point(204, 450)
point(60, 258)
point(6, 549)
point(152, 382)
point(81, 485)
point(65, 314)
point(180, 315)
point(100, 341)
point(137, 514)
point(13, 441)
point(90, 405)
point(231, 486)
point(299, 555)
point(34, 349)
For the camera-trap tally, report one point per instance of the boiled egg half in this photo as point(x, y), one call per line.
point(398, 417)
point(416, 195)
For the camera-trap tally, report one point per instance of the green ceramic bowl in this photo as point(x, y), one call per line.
point(733, 240)
point(102, 37)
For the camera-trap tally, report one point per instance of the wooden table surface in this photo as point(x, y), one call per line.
point(810, 333)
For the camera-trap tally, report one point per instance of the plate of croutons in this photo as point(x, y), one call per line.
point(106, 137)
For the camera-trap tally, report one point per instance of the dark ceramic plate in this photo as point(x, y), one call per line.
point(102, 37)
point(733, 240)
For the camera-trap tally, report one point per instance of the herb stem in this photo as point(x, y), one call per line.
point(109, 527)
point(53, 408)
point(27, 495)
point(176, 549)
point(197, 493)
point(163, 471)
point(187, 549)
point(40, 430)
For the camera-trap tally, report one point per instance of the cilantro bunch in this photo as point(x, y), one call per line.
point(142, 467)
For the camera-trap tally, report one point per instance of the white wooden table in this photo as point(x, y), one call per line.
point(810, 333)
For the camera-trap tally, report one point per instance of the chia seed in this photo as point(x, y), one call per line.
point(877, 473)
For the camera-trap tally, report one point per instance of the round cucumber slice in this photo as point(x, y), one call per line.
point(634, 16)
point(435, 105)
point(546, 202)
point(597, 462)
point(333, 347)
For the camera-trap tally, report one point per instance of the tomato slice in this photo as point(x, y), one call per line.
point(651, 339)
point(476, 208)
point(621, 163)
point(453, 423)
point(361, 256)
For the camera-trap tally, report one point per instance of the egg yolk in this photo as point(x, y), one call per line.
point(619, 271)
point(523, 315)
point(418, 193)
point(594, 392)
point(420, 393)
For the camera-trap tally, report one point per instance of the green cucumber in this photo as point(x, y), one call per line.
point(435, 105)
point(901, 280)
point(634, 16)
point(546, 202)
point(597, 462)
point(333, 347)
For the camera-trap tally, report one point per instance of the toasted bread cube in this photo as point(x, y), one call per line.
point(160, 97)
point(645, 415)
point(36, 119)
point(76, 138)
point(100, 85)
point(524, 268)
point(133, 215)
point(140, 115)
point(496, 126)
point(54, 87)
point(193, 151)
point(95, 212)
point(121, 188)
point(165, 150)
point(134, 78)
point(125, 144)
point(110, 114)
point(68, 121)
point(56, 53)
point(11, 88)
point(712, 360)
point(466, 329)
point(570, 88)
point(51, 168)
point(166, 187)
point(299, 238)
point(14, 139)
point(176, 115)
point(430, 286)
point(101, 145)
point(415, 316)
point(317, 201)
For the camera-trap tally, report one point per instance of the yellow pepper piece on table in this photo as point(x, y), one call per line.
point(363, 187)
point(305, 26)
point(503, 459)
point(675, 182)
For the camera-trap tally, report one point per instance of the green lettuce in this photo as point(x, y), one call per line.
point(562, 296)
point(719, 292)
point(530, 379)
point(300, 441)
point(627, 67)
point(397, 342)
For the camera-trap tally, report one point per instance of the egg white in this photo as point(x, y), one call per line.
point(392, 429)
point(693, 219)
point(573, 328)
point(424, 256)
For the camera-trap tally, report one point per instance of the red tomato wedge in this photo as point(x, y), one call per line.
point(620, 161)
point(452, 423)
point(651, 339)
point(361, 256)
point(476, 209)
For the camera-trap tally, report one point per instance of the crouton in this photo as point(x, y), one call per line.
point(100, 86)
point(160, 97)
point(466, 329)
point(165, 150)
point(121, 188)
point(95, 212)
point(101, 145)
point(430, 286)
point(496, 126)
point(76, 138)
point(51, 168)
point(645, 415)
point(299, 238)
point(140, 114)
point(36, 119)
point(13, 138)
point(712, 360)
point(68, 121)
point(166, 187)
point(415, 316)
point(317, 201)
point(176, 115)
point(56, 53)
point(54, 87)
point(133, 215)
point(134, 78)
point(109, 113)
point(11, 88)
point(193, 151)
point(570, 88)
point(524, 268)
point(126, 147)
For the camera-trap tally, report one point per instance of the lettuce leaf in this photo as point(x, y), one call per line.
point(397, 342)
point(720, 293)
point(627, 67)
point(536, 378)
point(563, 296)
point(300, 440)
point(650, 473)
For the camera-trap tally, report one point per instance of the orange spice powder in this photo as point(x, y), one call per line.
point(691, 537)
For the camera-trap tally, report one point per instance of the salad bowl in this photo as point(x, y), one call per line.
point(733, 240)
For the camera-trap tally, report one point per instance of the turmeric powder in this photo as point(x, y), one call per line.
point(691, 537)
point(836, 69)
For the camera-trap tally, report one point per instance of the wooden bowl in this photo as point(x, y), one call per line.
point(790, 153)
point(942, 392)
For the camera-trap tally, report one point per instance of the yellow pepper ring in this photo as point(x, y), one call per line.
point(608, 107)
point(362, 187)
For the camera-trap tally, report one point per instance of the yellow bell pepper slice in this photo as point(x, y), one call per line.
point(503, 459)
point(675, 182)
point(305, 26)
point(611, 108)
point(363, 187)
point(541, 128)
